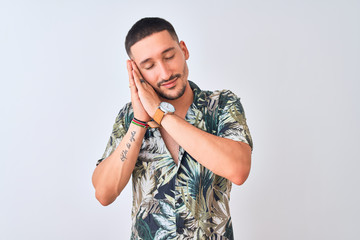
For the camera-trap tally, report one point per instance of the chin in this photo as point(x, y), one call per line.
point(173, 96)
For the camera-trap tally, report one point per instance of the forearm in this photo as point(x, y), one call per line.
point(113, 173)
point(224, 157)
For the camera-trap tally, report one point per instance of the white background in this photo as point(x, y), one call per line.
point(295, 65)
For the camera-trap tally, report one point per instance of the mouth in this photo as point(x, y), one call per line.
point(170, 84)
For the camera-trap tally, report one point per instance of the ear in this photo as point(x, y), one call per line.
point(184, 49)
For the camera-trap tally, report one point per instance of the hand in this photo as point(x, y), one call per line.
point(146, 93)
point(139, 111)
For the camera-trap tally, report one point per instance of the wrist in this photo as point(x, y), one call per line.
point(139, 123)
point(155, 108)
point(142, 119)
point(163, 109)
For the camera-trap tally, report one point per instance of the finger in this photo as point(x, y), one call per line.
point(132, 86)
point(137, 80)
point(138, 73)
point(135, 73)
point(130, 73)
point(129, 68)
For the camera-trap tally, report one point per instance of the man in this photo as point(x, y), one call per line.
point(183, 169)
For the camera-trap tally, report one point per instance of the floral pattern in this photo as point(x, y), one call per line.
point(184, 201)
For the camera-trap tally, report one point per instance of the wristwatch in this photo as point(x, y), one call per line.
point(163, 109)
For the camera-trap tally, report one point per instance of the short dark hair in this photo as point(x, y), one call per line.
point(145, 27)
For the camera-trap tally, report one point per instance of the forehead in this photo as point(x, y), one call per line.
point(152, 46)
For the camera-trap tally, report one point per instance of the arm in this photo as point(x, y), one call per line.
point(113, 173)
point(225, 157)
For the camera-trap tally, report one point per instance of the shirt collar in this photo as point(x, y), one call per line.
point(195, 115)
point(199, 96)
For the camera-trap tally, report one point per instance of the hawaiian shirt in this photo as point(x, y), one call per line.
point(184, 201)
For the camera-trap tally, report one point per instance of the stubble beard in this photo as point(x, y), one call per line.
point(179, 93)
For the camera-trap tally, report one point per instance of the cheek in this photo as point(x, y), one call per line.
point(183, 67)
point(178, 65)
point(150, 77)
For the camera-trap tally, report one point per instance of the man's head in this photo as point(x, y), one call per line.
point(160, 57)
point(146, 27)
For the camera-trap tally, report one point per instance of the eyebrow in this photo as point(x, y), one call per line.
point(165, 51)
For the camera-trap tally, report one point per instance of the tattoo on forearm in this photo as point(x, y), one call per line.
point(128, 145)
point(132, 139)
point(123, 155)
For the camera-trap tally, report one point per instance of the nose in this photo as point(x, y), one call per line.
point(165, 72)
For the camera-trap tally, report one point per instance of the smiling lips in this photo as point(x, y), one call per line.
point(169, 84)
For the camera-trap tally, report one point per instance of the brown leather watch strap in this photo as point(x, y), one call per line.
point(158, 116)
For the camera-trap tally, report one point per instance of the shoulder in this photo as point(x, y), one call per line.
point(223, 98)
point(125, 111)
point(228, 97)
point(124, 117)
point(217, 99)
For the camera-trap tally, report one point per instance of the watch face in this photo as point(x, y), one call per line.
point(167, 107)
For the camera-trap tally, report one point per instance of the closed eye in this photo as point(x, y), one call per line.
point(171, 57)
point(148, 68)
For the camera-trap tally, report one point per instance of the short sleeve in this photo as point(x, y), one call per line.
point(120, 128)
point(231, 119)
